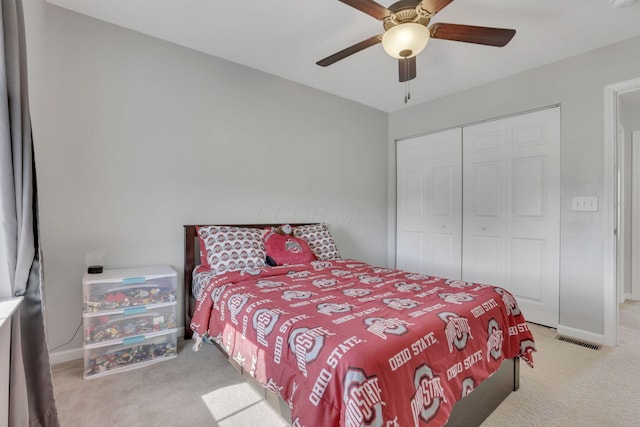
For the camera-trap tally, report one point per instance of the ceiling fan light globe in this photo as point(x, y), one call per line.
point(405, 40)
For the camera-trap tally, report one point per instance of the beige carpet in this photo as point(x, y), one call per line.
point(570, 386)
point(575, 386)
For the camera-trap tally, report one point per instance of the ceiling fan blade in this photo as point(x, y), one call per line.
point(471, 34)
point(434, 6)
point(407, 69)
point(350, 50)
point(369, 7)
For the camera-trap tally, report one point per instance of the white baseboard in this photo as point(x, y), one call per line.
point(58, 357)
point(579, 334)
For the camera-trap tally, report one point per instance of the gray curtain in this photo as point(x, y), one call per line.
point(31, 400)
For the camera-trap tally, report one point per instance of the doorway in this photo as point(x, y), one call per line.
point(617, 96)
point(632, 289)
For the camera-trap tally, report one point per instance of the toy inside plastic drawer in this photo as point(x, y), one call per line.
point(129, 353)
point(128, 292)
point(127, 322)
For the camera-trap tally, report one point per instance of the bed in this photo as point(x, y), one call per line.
point(336, 341)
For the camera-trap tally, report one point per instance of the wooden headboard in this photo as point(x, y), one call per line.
point(192, 260)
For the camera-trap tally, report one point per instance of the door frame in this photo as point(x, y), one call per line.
point(635, 200)
point(612, 93)
point(623, 225)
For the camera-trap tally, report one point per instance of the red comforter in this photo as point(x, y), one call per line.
point(346, 343)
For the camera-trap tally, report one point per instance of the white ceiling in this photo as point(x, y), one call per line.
point(287, 37)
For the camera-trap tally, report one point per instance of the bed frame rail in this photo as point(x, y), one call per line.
point(472, 410)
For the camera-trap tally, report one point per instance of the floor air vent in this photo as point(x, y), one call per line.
point(578, 342)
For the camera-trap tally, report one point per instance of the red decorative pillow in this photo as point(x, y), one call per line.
point(286, 250)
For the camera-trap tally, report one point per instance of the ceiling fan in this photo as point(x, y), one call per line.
point(406, 32)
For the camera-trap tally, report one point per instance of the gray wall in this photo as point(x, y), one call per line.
point(135, 137)
point(577, 84)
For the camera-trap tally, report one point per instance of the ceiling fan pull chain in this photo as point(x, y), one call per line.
point(407, 93)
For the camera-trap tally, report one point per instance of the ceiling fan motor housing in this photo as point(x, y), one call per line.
point(405, 11)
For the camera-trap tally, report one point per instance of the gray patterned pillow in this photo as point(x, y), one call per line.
point(226, 248)
point(319, 239)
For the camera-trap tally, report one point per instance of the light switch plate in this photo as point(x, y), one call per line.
point(584, 203)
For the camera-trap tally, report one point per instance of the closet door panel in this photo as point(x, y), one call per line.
point(486, 262)
point(484, 183)
point(414, 194)
point(411, 252)
point(486, 190)
point(528, 259)
point(429, 195)
point(529, 187)
point(533, 214)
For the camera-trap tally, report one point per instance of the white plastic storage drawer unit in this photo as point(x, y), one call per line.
point(129, 318)
point(114, 289)
point(127, 322)
point(128, 353)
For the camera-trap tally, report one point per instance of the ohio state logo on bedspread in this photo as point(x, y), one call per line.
point(265, 283)
point(298, 274)
point(494, 340)
point(307, 344)
point(456, 298)
point(527, 346)
point(381, 326)
point(468, 385)
point(295, 294)
point(324, 283)
point(509, 301)
point(456, 329)
point(407, 287)
point(217, 294)
point(235, 305)
point(362, 399)
point(264, 321)
point(328, 308)
point(458, 283)
point(356, 292)
point(400, 303)
point(429, 393)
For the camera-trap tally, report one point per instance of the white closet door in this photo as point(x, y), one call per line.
point(512, 209)
point(429, 196)
point(484, 198)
